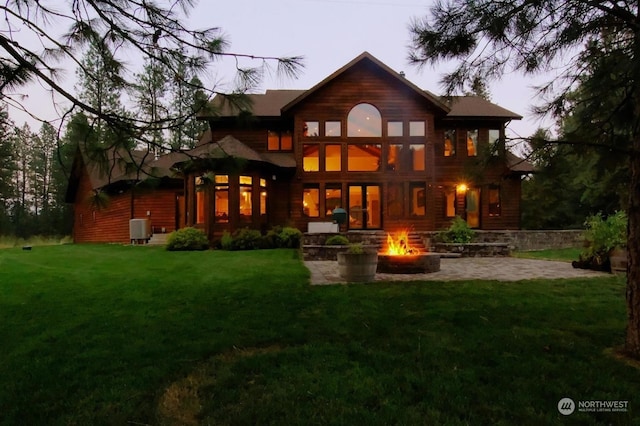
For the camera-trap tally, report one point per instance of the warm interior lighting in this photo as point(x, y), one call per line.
point(461, 188)
point(399, 246)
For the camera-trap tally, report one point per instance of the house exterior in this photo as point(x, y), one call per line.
point(364, 139)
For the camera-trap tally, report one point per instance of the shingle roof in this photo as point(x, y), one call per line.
point(273, 103)
point(519, 165)
point(477, 107)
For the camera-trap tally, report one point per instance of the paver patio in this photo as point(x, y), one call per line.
point(468, 268)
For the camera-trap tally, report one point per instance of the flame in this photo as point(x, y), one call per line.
point(399, 246)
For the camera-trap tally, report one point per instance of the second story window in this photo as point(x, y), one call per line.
point(311, 129)
point(472, 143)
point(364, 121)
point(279, 141)
point(449, 143)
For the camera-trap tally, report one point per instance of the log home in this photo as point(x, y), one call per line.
point(365, 139)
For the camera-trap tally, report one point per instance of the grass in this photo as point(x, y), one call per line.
point(137, 335)
point(39, 240)
point(564, 255)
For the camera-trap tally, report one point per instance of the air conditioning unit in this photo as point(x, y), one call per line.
point(139, 229)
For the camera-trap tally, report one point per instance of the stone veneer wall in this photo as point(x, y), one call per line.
point(520, 240)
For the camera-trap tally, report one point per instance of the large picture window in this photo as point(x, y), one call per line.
point(333, 158)
point(311, 157)
point(246, 197)
point(311, 201)
point(363, 158)
point(417, 157)
point(221, 197)
point(364, 121)
point(332, 198)
point(418, 199)
point(394, 156)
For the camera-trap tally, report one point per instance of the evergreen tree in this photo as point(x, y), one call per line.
point(7, 170)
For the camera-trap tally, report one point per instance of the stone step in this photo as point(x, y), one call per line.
point(158, 239)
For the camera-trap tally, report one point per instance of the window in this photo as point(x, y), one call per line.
point(332, 129)
point(311, 129)
point(221, 197)
point(332, 198)
point(395, 200)
point(200, 188)
point(417, 157)
point(418, 199)
point(449, 143)
point(363, 158)
point(333, 158)
point(494, 200)
point(394, 156)
point(311, 157)
point(494, 141)
point(394, 129)
point(417, 128)
point(472, 143)
point(311, 201)
point(364, 121)
point(279, 141)
point(263, 197)
point(246, 191)
point(450, 202)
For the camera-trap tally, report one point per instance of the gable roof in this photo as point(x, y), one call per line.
point(273, 103)
point(366, 56)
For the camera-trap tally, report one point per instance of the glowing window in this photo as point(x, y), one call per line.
point(333, 158)
point(246, 193)
point(364, 121)
point(472, 143)
point(450, 203)
point(418, 199)
point(200, 188)
point(311, 157)
point(279, 141)
point(221, 198)
point(449, 143)
point(394, 156)
point(311, 202)
point(332, 198)
point(363, 158)
point(417, 157)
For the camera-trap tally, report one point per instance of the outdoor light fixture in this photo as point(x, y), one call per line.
point(461, 188)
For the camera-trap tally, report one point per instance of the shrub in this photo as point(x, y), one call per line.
point(337, 240)
point(356, 248)
point(271, 238)
point(603, 235)
point(289, 237)
point(226, 242)
point(458, 232)
point(242, 239)
point(187, 239)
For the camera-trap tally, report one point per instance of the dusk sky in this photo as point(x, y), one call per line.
point(329, 34)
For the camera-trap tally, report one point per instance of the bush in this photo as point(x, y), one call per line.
point(187, 239)
point(242, 239)
point(458, 232)
point(603, 235)
point(337, 240)
point(289, 237)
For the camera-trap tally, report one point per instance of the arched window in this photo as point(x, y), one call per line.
point(364, 121)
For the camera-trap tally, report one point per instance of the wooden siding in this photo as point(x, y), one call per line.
point(111, 224)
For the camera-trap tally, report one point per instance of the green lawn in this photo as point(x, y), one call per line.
point(137, 335)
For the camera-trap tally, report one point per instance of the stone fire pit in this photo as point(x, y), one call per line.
point(422, 263)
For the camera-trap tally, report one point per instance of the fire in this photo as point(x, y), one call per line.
point(399, 246)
